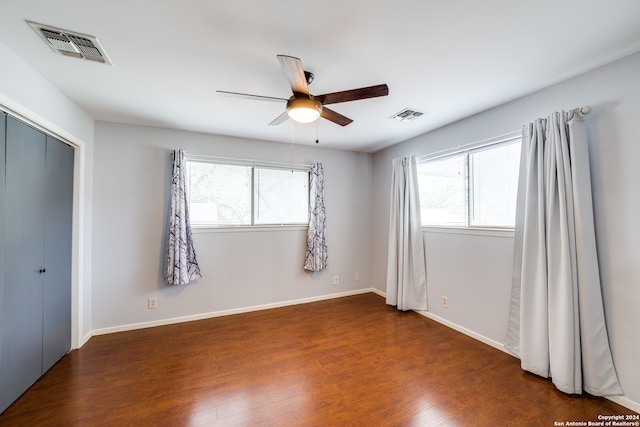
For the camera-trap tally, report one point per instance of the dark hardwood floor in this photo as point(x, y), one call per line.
point(345, 362)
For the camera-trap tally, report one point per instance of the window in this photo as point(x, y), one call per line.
point(476, 188)
point(242, 195)
point(281, 196)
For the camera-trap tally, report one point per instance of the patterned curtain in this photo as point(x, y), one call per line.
point(316, 259)
point(181, 264)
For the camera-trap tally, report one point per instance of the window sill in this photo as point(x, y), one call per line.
point(494, 232)
point(201, 229)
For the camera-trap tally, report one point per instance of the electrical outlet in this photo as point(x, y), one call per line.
point(152, 302)
point(356, 277)
point(445, 302)
point(336, 280)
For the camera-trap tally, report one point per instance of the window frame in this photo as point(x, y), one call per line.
point(209, 228)
point(467, 150)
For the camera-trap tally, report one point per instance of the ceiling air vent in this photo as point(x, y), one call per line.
point(407, 115)
point(70, 43)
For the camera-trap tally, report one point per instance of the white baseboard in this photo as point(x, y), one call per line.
point(455, 326)
point(85, 338)
point(620, 400)
point(627, 403)
point(201, 316)
point(379, 292)
point(468, 332)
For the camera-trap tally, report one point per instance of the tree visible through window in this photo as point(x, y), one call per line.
point(443, 191)
point(237, 195)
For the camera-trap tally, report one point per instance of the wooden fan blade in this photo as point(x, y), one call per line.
point(280, 119)
point(292, 68)
point(335, 117)
point(353, 94)
point(248, 96)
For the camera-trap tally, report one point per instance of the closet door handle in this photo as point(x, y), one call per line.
point(42, 270)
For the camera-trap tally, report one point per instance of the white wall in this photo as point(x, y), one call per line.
point(474, 271)
point(26, 94)
point(241, 268)
point(250, 268)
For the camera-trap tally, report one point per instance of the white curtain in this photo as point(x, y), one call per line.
point(317, 256)
point(557, 324)
point(406, 270)
point(181, 266)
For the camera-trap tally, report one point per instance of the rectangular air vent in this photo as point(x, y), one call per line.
point(407, 115)
point(70, 43)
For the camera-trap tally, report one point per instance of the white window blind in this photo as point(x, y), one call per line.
point(494, 186)
point(282, 196)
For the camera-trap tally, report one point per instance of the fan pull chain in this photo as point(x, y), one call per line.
point(291, 146)
point(317, 124)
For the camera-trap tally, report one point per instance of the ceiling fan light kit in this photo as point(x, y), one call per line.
point(304, 110)
point(303, 107)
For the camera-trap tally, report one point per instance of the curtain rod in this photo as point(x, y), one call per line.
point(246, 162)
point(582, 110)
point(585, 110)
point(486, 142)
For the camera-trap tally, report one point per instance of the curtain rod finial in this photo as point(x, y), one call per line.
point(585, 110)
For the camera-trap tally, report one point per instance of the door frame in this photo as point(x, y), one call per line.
point(80, 246)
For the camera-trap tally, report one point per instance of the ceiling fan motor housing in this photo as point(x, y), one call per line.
point(303, 109)
point(308, 76)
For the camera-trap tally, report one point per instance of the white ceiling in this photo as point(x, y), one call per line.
point(450, 59)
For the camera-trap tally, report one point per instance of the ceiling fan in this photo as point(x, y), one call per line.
point(304, 107)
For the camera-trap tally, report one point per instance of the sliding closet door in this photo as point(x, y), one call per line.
point(57, 252)
point(22, 311)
